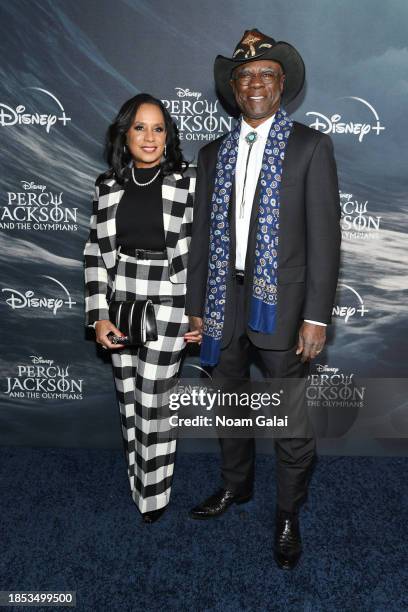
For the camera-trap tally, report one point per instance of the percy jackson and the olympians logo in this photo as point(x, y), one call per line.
point(357, 223)
point(54, 298)
point(27, 113)
point(367, 122)
point(41, 378)
point(196, 117)
point(334, 400)
point(33, 206)
point(328, 387)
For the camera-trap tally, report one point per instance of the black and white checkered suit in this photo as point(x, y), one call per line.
point(143, 376)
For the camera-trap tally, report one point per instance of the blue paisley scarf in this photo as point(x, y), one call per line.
point(264, 296)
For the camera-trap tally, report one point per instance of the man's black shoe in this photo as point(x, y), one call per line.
point(288, 543)
point(217, 504)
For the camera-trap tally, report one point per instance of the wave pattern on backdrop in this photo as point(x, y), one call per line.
point(62, 85)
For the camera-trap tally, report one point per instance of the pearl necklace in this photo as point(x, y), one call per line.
point(148, 182)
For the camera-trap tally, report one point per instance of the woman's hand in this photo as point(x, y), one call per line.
point(102, 329)
point(196, 330)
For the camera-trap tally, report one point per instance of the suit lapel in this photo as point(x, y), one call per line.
point(174, 195)
point(110, 194)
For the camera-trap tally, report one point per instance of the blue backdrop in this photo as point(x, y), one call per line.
point(67, 68)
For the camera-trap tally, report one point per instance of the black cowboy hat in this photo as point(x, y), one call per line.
point(257, 46)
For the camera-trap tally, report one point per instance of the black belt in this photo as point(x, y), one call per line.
point(239, 276)
point(144, 253)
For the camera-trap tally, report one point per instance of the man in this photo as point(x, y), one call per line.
point(264, 260)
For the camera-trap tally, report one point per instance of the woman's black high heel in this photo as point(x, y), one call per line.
point(153, 516)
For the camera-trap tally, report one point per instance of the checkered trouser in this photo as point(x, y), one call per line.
point(144, 377)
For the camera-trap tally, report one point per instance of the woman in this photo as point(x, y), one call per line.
point(137, 249)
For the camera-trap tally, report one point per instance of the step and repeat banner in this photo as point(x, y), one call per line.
point(66, 69)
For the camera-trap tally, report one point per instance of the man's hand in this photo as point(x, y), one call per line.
point(102, 329)
point(196, 330)
point(311, 341)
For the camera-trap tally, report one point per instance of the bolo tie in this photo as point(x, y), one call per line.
point(250, 139)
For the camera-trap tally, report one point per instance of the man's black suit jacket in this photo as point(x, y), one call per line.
point(309, 239)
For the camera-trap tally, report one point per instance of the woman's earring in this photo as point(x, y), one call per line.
point(165, 150)
point(124, 148)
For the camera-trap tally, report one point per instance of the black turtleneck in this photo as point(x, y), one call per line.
point(139, 217)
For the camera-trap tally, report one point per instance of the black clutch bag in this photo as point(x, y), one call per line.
point(136, 319)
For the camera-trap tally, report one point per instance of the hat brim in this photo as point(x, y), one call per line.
point(282, 52)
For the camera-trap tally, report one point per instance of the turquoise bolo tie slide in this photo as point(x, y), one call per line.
point(250, 138)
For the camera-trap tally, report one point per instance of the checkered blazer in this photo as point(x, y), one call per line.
point(100, 249)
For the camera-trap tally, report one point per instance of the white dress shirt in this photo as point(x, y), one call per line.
point(254, 168)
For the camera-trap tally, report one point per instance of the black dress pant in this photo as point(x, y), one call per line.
point(295, 456)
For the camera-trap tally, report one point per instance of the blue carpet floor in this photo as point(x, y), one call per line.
point(68, 523)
